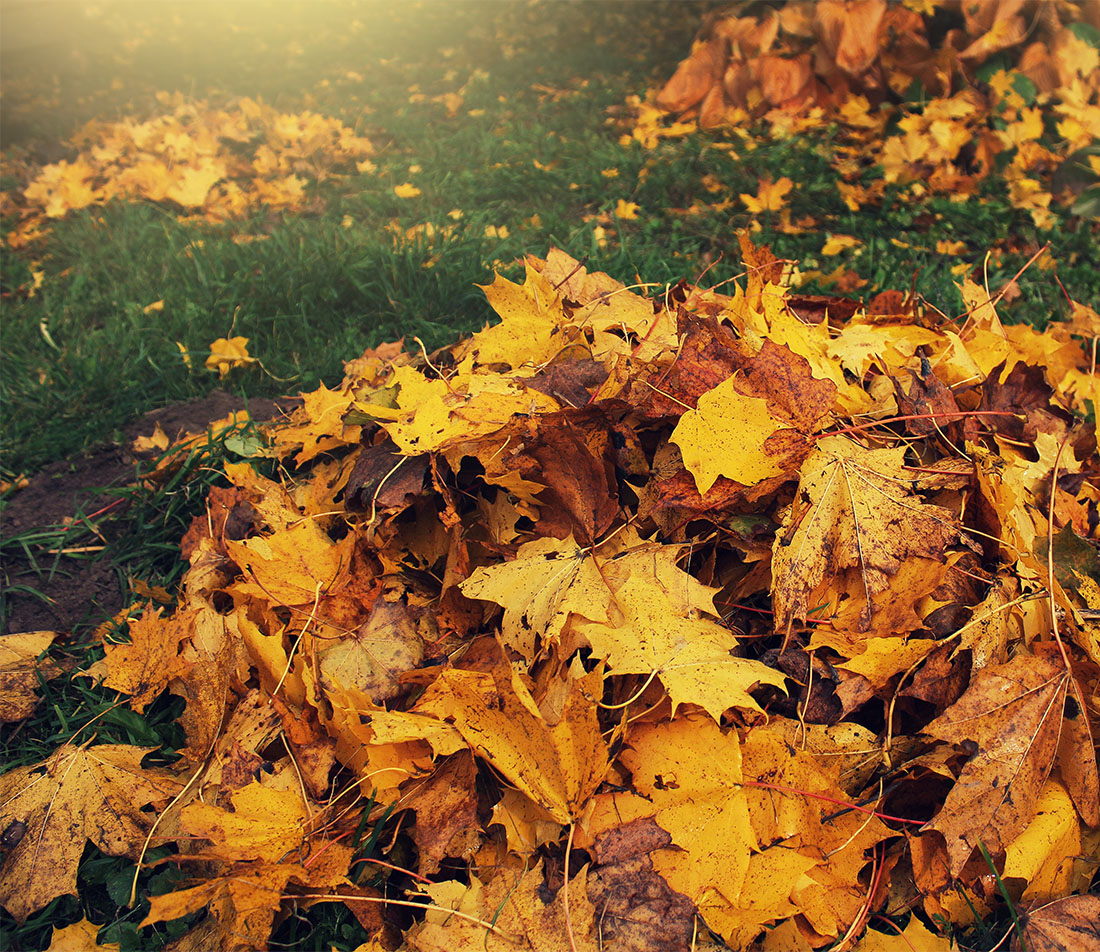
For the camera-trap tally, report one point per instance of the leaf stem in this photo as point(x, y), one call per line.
point(918, 416)
point(782, 788)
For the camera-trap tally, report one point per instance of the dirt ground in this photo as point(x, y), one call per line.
point(86, 589)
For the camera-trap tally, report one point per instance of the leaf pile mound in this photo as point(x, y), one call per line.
point(214, 163)
point(938, 95)
point(634, 624)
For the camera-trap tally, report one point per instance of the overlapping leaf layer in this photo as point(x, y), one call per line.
point(938, 94)
point(644, 622)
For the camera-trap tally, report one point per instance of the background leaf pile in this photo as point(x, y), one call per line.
point(215, 163)
point(629, 622)
point(931, 96)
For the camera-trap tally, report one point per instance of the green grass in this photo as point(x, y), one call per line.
point(317, 288)
point(82, 357)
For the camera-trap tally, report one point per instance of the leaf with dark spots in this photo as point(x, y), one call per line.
point(1013, 713)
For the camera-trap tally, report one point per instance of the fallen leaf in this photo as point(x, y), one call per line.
point(446, 814)
point(20, 671)
point(914, 936)
point(557, 764)
point(727, 434)
point(154, 657)
point(241, 902)
point(518, 908)
point(852, 513)
point(263, 824)
point(1042, 855)
point(79, 937)
point(227, 354)
point(547, 582)
point(693, 657)
point(76, 795)
point(1066, 923)
point(1011, 716)
point(770, 197)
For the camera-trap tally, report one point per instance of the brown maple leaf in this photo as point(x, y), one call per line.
point(1009, 721)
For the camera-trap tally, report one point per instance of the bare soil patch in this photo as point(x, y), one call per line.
point(84, 588)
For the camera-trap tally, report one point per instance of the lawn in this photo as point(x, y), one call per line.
point(359, 173)
point(501, 116)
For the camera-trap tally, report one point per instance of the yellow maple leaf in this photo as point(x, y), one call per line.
point(286, 191)
point(64, 186)
point(770, 196)
point(838, 243)
point(914, 936)
point(264, 824)
point(557, 762)
point(1002, 82)
point(318, 426)
point(229, 353)
point(901, 155)
point(708, 806)
point(728, 434)
point(79, 937)
point(531, 316)
point(435, 415)
point(288, 567)
point(406, 190)
point(374, 656)
point(626, 211)
point(547, 581)
point(692, 656)
point(1027, 128)
point(193, 183)
point(522, 914)
point(1028, 194)
point(242, 902)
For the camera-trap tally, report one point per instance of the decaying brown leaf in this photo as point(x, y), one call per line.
point(1008, 722)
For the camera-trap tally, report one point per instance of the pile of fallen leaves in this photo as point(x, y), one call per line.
point(938, 94)
point(630, 623)
point(213, 163)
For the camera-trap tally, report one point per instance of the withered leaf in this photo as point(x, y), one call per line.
point(20, 671)
point(144, 667)
point(373, 657)
point(852, 512)
point(1011, 716)
point(378, 484)
point(1067, 923)
point(78, 794)
point(446, 813)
